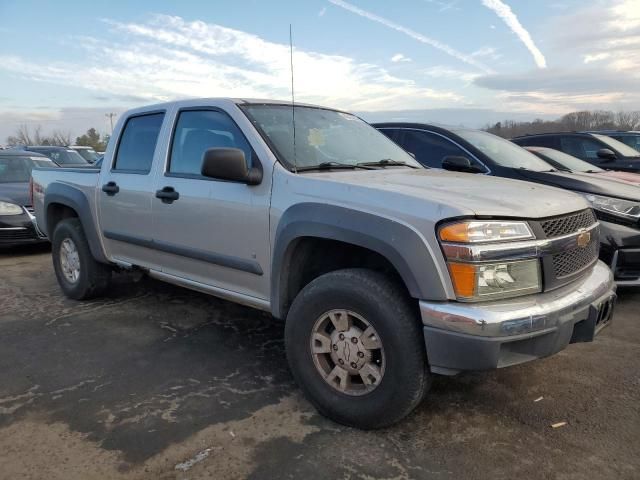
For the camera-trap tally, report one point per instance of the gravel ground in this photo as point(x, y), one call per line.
point(160, 382)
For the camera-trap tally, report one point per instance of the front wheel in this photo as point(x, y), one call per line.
point(356, 348)
point(80, 276)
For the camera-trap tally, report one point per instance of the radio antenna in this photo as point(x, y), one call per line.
point(293, 100)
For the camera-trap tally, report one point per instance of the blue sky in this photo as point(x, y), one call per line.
point(64, 64)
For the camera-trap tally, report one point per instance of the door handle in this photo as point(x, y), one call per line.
point(167, 195)
point(110, 188)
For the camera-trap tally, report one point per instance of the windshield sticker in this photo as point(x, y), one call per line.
point(316, 137)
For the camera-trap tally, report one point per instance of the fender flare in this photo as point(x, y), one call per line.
point(403, 247)
point(62, 194)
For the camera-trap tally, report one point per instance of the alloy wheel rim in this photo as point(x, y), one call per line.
point(69, 260)
point(347, 352)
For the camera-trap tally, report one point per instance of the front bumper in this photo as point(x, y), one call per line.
point(620, 249)
point(484, 336)
point(19, 230)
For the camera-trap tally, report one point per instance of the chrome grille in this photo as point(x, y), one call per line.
point(572, 261)
point(557, 227)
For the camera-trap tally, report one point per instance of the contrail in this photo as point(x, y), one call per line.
point(506, 14)
point(413, 34)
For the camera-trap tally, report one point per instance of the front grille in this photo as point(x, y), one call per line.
point(572, 261)
point(557, 227)
point(7, 235)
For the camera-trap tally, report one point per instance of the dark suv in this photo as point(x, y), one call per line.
point(630, 138)
point(597, 149)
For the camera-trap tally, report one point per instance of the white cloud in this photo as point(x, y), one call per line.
point(490, 52)
point(322, 11)
point(596, 57)
point(468, 59)
point(506, 14)
point(399, 57)
point(440, 71)
point(169, 57)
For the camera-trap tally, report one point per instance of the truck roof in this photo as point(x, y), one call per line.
point(229, 100)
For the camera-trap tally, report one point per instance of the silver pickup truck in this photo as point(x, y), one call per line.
point(385, 272)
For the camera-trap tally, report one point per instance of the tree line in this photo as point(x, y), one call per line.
point(574, 121)
point(26, 136)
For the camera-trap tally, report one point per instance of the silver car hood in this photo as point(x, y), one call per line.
point(469, 194)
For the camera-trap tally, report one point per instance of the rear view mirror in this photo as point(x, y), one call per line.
point(606, 154)
point(459, 164)
point(229, 164)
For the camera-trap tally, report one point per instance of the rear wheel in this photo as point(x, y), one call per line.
point(356, 348)
point(78, 273)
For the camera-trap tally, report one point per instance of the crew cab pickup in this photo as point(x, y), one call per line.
point(385, 272)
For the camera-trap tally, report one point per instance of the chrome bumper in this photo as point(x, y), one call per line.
point(517, 316)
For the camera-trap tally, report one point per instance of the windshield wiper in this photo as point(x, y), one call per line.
point(333, 166)
point(387, 162)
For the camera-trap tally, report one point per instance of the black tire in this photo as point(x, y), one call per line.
point(386, 307)
point(94, 277)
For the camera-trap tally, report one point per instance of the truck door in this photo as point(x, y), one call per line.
point(214, 232)
point(125, 191)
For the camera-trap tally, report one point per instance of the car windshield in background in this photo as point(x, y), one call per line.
point(324, 138)
point(563, 161)
point(89, 155)
point(63, 156)
point(503, 152)
point(619, 147)
point(18, 169)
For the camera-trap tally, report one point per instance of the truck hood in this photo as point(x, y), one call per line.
point(15, 193)
point(470, 194)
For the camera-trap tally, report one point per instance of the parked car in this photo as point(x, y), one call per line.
point(17, 222)
point(568, 163)
point(88, 153)
point(599, 150)
point(384, 271)
point(631, 138)
point(617, 204)
point(61, 156)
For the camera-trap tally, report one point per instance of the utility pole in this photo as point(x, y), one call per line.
point(111, 115)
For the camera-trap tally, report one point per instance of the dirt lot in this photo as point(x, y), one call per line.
point(160, 382)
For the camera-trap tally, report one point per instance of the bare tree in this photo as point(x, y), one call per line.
point(574, 121)
point(24, 136)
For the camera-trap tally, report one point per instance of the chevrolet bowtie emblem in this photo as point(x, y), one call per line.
point(584, 239)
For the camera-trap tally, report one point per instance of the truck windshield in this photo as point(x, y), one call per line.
point(503, 152)
point(324, 137)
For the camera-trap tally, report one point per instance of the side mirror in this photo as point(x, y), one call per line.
point(606, 154)
point(229, 164)
point(459, 164)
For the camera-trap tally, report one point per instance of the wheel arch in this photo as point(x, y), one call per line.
point(64, 201)
point(390, 243)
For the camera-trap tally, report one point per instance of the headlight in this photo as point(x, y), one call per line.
point(10, 209)
point(489, 231)
point(615, 206)
point(476, 281)
point(487, 281)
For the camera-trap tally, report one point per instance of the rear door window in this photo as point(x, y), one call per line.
point(199, 130)
point(138, 143)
